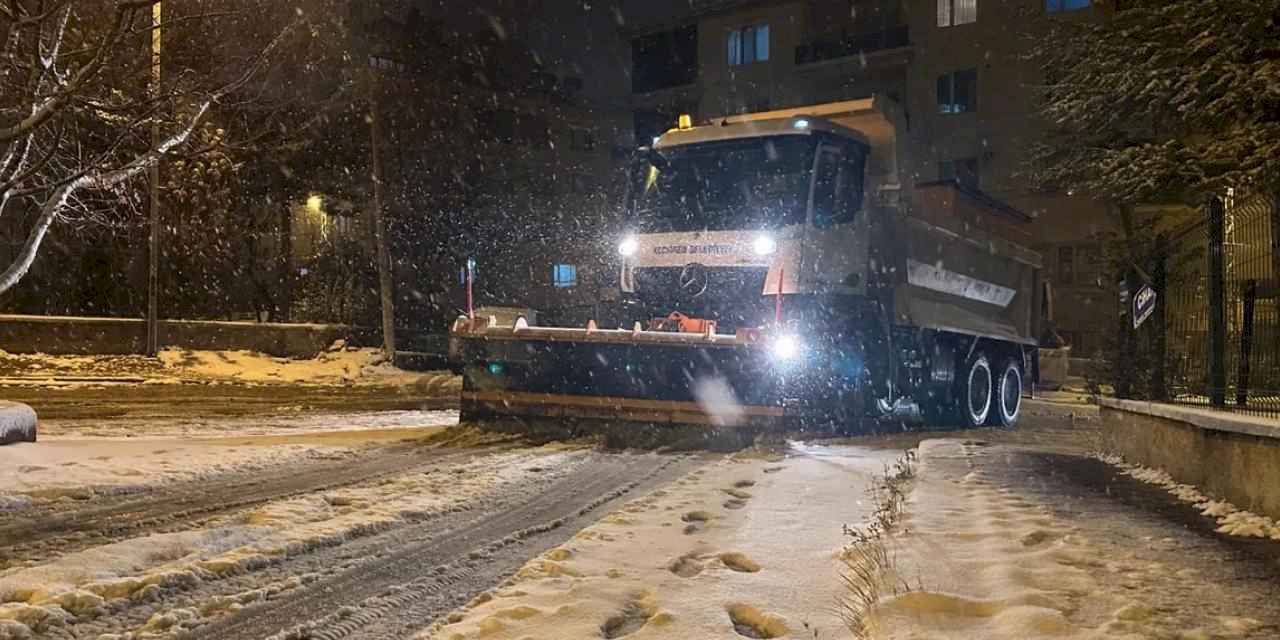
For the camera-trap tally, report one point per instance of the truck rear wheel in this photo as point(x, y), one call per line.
point(977, 385)
point(1007, 401)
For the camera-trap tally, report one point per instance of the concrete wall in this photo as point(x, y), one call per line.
point(1228, 456)
point(120, 336)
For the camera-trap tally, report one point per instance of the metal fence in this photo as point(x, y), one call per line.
point(1217, 341)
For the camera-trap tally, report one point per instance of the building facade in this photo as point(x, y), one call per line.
point(959, 70)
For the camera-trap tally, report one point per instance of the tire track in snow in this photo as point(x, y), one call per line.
point(407, 588)
point(46, 534)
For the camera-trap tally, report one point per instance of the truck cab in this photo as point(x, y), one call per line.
point(726, 219)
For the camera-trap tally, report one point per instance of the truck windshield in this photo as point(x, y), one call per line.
point(736, 184)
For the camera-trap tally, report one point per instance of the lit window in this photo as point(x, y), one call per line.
point(958, 92)
point(749, 44)
point(1058, 6)
point(954, 12)
point(564, 275)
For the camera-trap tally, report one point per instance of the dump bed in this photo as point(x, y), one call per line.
point(959, 266)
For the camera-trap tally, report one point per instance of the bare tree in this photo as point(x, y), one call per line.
point(78, 107)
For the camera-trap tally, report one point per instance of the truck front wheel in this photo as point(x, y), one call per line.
point(1007, 402)
point(976, 403)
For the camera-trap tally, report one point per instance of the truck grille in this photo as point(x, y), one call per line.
point(732, 296)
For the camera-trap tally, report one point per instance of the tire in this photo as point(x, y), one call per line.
point(976, 397)
point(1007, 399)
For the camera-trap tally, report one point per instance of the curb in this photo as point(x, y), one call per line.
point(17, 423)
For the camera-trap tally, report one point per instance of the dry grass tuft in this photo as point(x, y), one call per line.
point(869, 564)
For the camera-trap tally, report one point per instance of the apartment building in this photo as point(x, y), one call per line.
point(958, 69)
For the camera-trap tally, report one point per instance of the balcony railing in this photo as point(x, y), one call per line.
point(852, 45)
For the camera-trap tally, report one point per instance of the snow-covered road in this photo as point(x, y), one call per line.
point(380, 525)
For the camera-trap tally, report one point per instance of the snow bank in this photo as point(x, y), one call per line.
point(339, 366)
point(1231, 519)
point(344, 366)
point(740, 548)
point(17, 423)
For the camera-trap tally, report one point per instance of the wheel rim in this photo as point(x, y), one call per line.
point(1011, 394)
point(979, 391)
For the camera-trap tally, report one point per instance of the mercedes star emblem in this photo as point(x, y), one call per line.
point(693, 280)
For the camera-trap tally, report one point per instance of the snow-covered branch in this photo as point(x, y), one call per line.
point(96, 180)
point(1167, 99)
point(79, 103)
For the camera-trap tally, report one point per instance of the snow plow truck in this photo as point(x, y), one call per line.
point(777, 273)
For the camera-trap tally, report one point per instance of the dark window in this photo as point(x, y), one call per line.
point(387, 64)
point(535, 131)
point(662, 60)
point(584, 139)
point(1067, 264)
point(749, 44)
point(838, 194)
point(1058, 6)
point(962, 170)
point(497, 125)
point(958, 92)
point(954, 12)
point(564, 275)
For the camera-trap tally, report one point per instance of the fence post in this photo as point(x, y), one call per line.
point(1275, 237)
point(1217, 303)
point(1246, 342)
point(1159, 282)
point(1124, 372)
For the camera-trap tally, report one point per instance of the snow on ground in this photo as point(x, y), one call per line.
point(299, 421)
point(82, 582)
point(1231, 519)
point(744, 542)
point(988, 563)
point(75, 468)
point(184, 449)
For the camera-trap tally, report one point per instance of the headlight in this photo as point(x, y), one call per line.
point(786, 347)
point(764, 246)
point(628, 247)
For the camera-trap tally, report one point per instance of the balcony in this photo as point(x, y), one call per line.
point(852, 45)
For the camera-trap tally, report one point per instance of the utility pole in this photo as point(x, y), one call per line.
point(153, 240)
point(379, 226)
